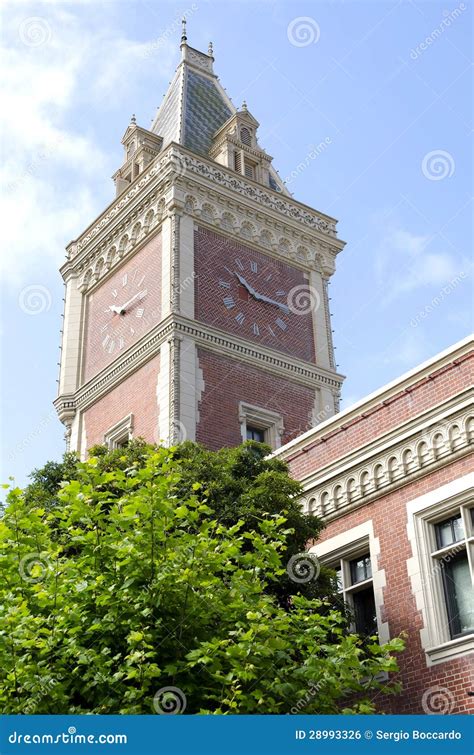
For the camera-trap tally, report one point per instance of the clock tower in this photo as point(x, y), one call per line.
point(196, 304)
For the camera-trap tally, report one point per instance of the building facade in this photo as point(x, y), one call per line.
point(196, 305)
point(393, 479)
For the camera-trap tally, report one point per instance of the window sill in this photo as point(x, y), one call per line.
point(449, 650)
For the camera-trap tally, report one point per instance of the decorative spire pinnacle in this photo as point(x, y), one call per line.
point(244, 106)
point(133, 119)
point(210, 50)
point(183, 30)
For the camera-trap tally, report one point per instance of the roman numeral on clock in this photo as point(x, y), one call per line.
point(256, 329)
point(253, 267)
point(224, 284)
point(229, 302)
point(281, 323)
point(240, 318)
point(239, 264)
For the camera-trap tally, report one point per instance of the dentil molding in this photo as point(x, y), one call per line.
point(431, 446)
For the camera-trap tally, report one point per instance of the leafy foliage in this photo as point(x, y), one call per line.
point(131, 583)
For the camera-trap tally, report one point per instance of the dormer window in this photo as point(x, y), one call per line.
point(246, 136)
point(249, 169)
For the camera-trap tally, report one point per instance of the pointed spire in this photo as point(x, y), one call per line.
point(183, 31)
point(210, 50)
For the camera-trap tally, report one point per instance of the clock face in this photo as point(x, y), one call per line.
point(252, 295)
point(127, 313)
point(123, 308)
point(248, 282)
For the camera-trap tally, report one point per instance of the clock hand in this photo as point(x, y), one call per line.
point(246, 285)
point(278, 304)
point(262, 297)
point(121, 310)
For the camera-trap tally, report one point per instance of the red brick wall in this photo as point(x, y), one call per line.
point(136, 395)
point(217, 259)
point(143, 272)
point(228, 381)
point(339, 441)
point(389, 518)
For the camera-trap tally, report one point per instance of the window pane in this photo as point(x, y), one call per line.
point(339, 578)
point(364, 611)
point(459, 595)
point(449, 531)
point(361, 569)
point(255, 433)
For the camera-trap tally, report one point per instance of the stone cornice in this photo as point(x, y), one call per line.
point(380, 398)
point(428, 442)
point(286, 228)
point(208, 338)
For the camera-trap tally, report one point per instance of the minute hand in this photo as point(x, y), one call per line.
point(279, 304)
point(262, 297)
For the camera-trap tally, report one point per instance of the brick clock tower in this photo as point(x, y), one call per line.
point(196, 305)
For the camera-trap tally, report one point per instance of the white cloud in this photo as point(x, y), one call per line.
point(57, 162)
point(407, 261)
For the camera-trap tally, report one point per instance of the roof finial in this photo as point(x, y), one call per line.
point(244, 105)
point(183, 30)
point(133, 119)
point(210, 50)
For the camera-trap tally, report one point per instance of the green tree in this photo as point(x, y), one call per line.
point(126, 588)
point(241, 484)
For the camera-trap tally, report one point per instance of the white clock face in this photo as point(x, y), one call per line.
point(246, 280)
point(126, 315)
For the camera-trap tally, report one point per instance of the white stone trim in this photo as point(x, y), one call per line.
point(425, 580)
point(348, 544)
point(423, 444)
point(122, 430)
point(383, 394)
point(265, 419)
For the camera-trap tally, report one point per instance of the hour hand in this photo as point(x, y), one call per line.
point(246, 285)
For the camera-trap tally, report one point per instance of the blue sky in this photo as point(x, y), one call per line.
point(382, 87)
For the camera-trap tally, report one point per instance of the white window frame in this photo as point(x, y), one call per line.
point(349, 545)
point(263, 419)
point(426, 577)
point(120, 432)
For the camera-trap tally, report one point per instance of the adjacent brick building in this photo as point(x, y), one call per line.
point(392, 477)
